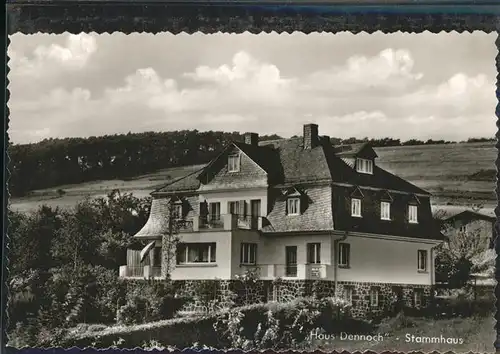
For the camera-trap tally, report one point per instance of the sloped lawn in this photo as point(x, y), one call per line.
point(478, 335)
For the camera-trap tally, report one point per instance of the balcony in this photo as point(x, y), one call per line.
point(226, 222)
point(140, 272)
point(291, 271)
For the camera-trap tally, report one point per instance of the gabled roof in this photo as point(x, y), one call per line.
point(287, 163)
point(296, 164)
point(470, 215)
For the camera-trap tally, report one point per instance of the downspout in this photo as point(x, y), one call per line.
point(336, 259)
point(433, 269)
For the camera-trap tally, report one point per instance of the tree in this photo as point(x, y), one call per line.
point(31, 237)
point(462, 255)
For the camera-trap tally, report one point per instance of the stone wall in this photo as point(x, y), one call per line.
point(227, 293)
point(234, 292)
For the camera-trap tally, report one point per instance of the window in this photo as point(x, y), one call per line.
point(344, 254)
point(364, 166)
point(248, 253)
point(356, 207)
point(422, 260)
point(214, 211)
point(374, 297)
point(463, 228)
point(413, 214)
point(177, 211)
point(196, 253)
point(232, 207)
point(233, 163)
point(385, 211)
point(237, 207)
point(347, 294)
point(313, 253)
point(293, 206)
point(417, 298)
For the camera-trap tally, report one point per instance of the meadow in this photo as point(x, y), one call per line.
point(457, 175)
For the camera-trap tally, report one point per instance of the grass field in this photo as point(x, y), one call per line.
point(478, 335)
point(456, 174)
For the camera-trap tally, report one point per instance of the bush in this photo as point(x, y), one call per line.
point(281, 325)
point(462, 306)
point(270, 325)
point(148, 301)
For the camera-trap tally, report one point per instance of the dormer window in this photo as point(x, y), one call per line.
point(293, 206)
point(412, 214)
point(233, 163)
point(356, 207)
point(364, 166)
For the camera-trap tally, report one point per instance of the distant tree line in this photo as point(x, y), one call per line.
point(55, 162)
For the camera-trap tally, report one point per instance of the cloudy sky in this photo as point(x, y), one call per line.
point(398, 85)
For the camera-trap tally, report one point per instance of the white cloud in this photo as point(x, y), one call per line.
point(44, 60)
point(390, 68)
point(375, 96)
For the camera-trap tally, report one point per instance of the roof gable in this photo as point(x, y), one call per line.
point(221, 160)
point(356, 193)
point(386, 196)
point(469, 215)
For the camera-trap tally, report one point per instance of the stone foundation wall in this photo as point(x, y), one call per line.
point(227, 293)
point(236, 293)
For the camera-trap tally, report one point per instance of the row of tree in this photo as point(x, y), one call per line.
point(55, 162)
point(63, 264)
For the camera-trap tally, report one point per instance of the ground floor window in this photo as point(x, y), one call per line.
point(374, 292)
point(314, 253)
point(347, 294)
point(417, 297)
point(248, 253)
point(196, 253)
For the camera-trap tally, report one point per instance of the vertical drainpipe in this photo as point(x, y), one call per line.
point(336, 259)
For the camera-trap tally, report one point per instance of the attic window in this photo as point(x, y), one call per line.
point(364, 166)
point(233, 163)
point(293, 206)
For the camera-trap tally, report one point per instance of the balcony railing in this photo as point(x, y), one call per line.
point(227, 222)
point(140, 272)
point(298, 271)
point(184, 225)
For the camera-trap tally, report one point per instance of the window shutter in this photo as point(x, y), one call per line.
point(242, 208)
point(302, 204)
point(286, 206)
point(203, 209)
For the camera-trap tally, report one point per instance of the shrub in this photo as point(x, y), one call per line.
point(280, 325)
point(462, 306)
point(148, 301)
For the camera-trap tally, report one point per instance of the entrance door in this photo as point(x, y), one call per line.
point(254, 213)
point(291, 261)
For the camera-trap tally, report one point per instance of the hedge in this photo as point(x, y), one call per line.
point(184, 332)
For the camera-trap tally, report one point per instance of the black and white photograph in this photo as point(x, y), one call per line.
point(252, 191)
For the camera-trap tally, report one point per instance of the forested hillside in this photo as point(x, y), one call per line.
point(56, 162)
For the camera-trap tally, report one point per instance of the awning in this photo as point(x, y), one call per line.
point(146, 250)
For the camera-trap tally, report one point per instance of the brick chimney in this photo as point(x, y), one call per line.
point(252, 139)
point(311, 138)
